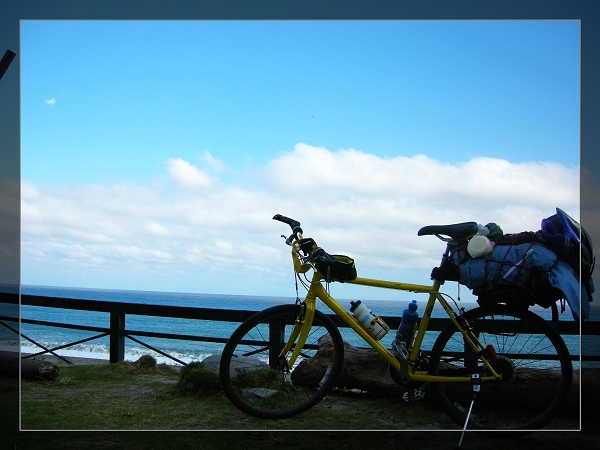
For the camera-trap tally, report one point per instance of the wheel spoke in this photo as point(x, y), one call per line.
point(535, 366)
point(260, 384)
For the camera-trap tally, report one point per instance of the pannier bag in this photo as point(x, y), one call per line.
point(335, 267)
point(573, 244)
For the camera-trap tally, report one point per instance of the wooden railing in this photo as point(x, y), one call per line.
point(118, 333)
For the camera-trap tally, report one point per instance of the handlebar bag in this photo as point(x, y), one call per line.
point(339, 268)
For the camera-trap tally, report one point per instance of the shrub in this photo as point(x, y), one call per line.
point(196, 379)
point(145, 362)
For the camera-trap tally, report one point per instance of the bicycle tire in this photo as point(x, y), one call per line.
point(532, 390)
point(258, 386)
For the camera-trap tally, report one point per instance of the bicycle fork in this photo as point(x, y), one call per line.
point(299, 334)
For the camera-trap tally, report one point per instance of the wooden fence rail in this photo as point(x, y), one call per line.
point(118, 332)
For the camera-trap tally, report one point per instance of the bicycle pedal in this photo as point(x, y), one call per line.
point(399, 350)
point(413, 395)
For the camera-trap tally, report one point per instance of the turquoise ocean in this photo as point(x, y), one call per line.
point(187, 351)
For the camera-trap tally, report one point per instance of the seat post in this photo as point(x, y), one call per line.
point(446, 253)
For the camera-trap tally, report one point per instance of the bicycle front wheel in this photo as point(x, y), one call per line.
point(531, 356)
point(259, 383)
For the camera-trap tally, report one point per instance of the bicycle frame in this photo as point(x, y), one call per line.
point(316, 290)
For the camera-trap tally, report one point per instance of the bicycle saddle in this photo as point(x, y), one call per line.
point(455, 231)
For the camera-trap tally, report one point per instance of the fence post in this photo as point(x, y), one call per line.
point(276, 333)
point(117, 337)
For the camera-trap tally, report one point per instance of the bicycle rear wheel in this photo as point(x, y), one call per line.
point(256, 382)
point(532, 358)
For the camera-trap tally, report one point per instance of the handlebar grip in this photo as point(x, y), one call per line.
point(291, 222)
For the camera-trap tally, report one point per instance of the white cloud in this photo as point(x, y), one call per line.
point(51, 101)
point(212, 162)
point(209, 236)
point(157, 229)
point(186, 174)
point(478, 182)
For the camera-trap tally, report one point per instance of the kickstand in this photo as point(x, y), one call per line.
point(475, 381)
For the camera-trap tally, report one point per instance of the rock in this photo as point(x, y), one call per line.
point(45, 370)
point(258, 393)
point(363, 369)
point(213, 363)
point(30, 368)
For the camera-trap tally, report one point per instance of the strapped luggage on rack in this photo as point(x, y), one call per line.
point(542, 266)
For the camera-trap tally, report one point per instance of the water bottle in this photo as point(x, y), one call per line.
point(407, 324)
point(374, 324)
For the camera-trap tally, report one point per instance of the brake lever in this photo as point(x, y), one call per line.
point(289, 240)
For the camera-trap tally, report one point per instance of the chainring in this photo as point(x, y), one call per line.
point(422, 364)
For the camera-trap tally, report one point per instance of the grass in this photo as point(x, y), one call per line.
point(128, 396)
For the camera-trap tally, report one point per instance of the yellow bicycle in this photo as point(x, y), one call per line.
point(497, 366)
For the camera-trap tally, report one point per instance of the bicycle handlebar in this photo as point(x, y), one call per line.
point(294, 224)
point(308, 246)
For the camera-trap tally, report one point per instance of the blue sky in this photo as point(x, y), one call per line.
point(138, 137)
